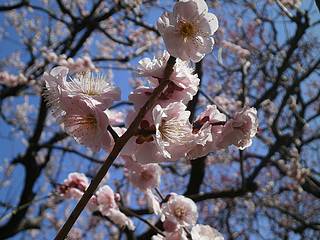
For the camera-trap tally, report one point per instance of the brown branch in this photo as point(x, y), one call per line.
point(14, 6)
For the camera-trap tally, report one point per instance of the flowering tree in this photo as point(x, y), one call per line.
point(217, 138)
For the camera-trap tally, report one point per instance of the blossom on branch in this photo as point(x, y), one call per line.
point(86, 123)
point(173, 130)
point(104, 201)
point(145, 176)
point(11, 80)
point(205, 232)
point(183, 85)
point(188, 29)
point(239, 130)
point(177, 235)
point(207, 128)
point(74, 186)
point(93, 87)
point(78, 102)
point(120, 219)
point(165, 134)
point(180, 210)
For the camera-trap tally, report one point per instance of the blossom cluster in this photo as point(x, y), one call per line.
point(78, 65)
point(11, 80)
point(241, 52)
point(80, 101)
point(104, 201)
point(179, 215)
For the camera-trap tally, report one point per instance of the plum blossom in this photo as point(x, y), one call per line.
point(106, 199)
point(85, 123)
point(93, 203)
point(239, 130)
point(207, 128)
point(153, 202)
point(173, 130)
point(242, 53)
point(74, 186)
point(165, 134)
point(11, 80)
point(120, 219)
point(205, 232)
point(80, 64)
point(180, 210)
point(145, 176)
point(228, 103)
point(183, 85)
point(95, 88)
point(188, 29)
point(78, 103)
point(177, 235)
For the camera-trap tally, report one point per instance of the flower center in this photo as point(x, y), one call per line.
point(82, 122)
point(179, 212)
point(187, 29)
point(146, 175)
point(174, 130)
point(89, 84)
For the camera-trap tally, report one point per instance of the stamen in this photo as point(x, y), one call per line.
point(174, 130)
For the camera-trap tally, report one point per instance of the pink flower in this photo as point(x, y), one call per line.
point(106, 199)
point(91, 87)
point(186, 31)
point(183, 85)
point(120, 219)
point(181, 210)
point(236, 49)
point(93, 203)
point(115, 117)
point(74, 186)
point(139, 96)
point(145, 176)
point(166, 135)
point(153, 202)
point(207, 128)
point(205, 232)
point(240, 130)
point(228, 103)
point(173, 130)
point(10, 80)
point(169, 225)
point(85, 123)
point(55, 89)
point(177, 235)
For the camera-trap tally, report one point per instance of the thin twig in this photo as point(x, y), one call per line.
point(143, 220)
point(159, 193)
point(212, 101)
point(285, 10)
point(21, 207)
